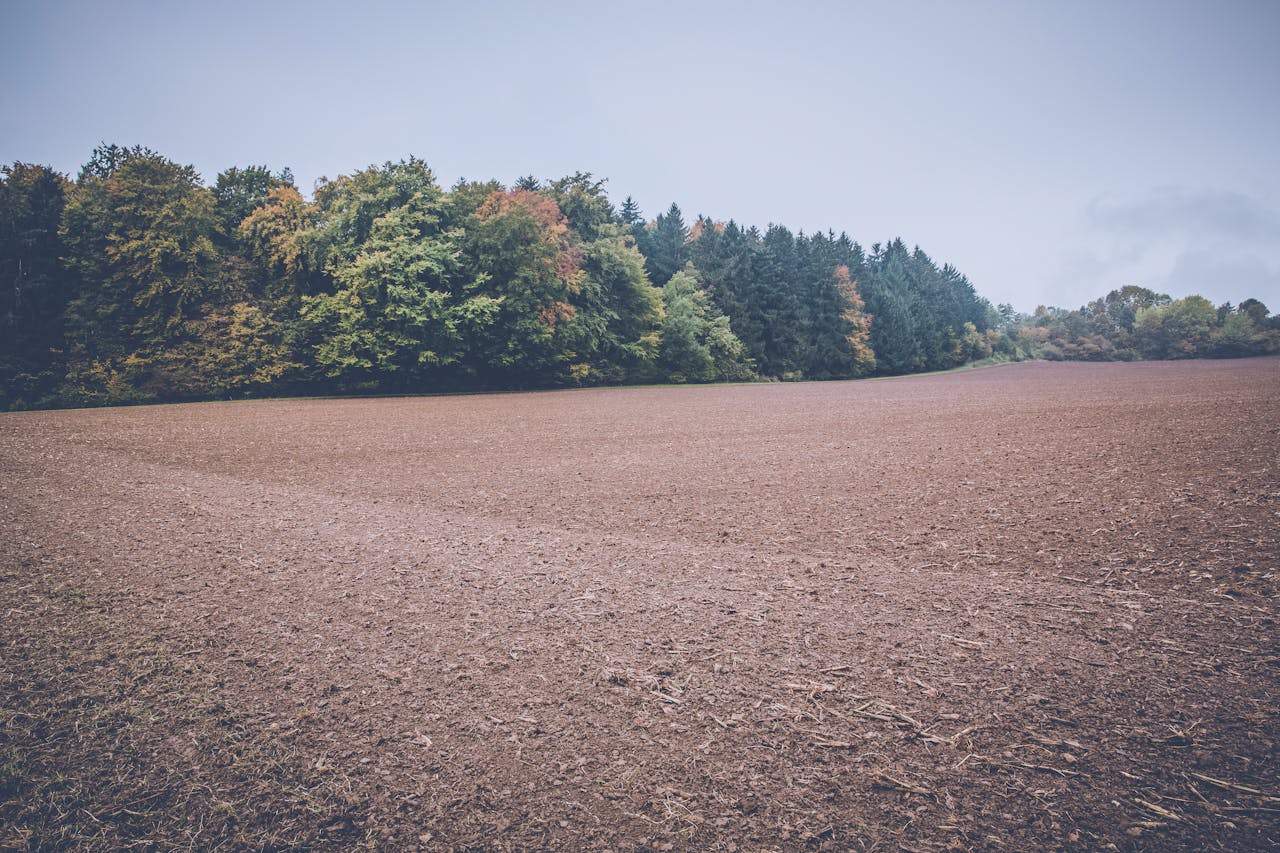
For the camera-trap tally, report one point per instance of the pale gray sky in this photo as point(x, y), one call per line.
point(1050, 150)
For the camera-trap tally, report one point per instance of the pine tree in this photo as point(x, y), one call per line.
point(34, 286)
point(664, 248)
point(630, 214)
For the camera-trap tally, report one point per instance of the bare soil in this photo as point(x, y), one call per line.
point(1026, 607)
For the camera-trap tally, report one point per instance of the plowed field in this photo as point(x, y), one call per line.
point(1026, 607)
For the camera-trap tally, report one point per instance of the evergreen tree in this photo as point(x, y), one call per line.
point(630, 213)
point(889, 297)
point(726, 259)
point(773, 299)
point(34, 287)
point(663, 245)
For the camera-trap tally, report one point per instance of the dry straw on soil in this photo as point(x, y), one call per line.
point(1032, 607)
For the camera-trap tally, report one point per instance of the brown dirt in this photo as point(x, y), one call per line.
point(1028, 607)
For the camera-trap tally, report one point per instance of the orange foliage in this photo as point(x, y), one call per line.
point(855, 314)
point(701, 225)
point(554, 313)
point(541, 209)
point(552, 227)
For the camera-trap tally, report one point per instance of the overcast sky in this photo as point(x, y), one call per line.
point(1050, 151)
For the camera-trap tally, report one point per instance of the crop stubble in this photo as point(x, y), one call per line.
point(1028, 606)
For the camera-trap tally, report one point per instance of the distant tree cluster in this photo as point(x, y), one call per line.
point(1136, 323)
point(137, 282)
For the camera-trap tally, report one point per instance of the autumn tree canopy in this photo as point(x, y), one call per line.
point(136, 281)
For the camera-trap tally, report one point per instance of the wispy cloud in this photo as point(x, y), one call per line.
point(1179, 213)
point(1205, 272)
point(1222, 244)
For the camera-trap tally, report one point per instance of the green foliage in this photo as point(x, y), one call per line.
point(107, 159)
point(272, 237)
point(349, 205)
point(922, 313)
point(1134, 322)
point(685, 355)
point(384, 312)
point(583, 203)
point(238, 192)
point(1180, 329)
point(1257, 312)
point(465, 198)
point(697, 343)
point(834, 331)
point(140, 241)
point(1117, 312)
point(622, 308)
point(34, 286)
point(629, 215)
point(1237, 334)
point(139, 283)
point(390, 318)
point(520, 252)
point(754, 279)
point(663, 245)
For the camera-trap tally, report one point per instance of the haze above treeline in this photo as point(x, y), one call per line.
point(1052, 151)
point(137, 282)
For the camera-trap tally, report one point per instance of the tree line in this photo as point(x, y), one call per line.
point(138, 282)
point(1133, 323)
